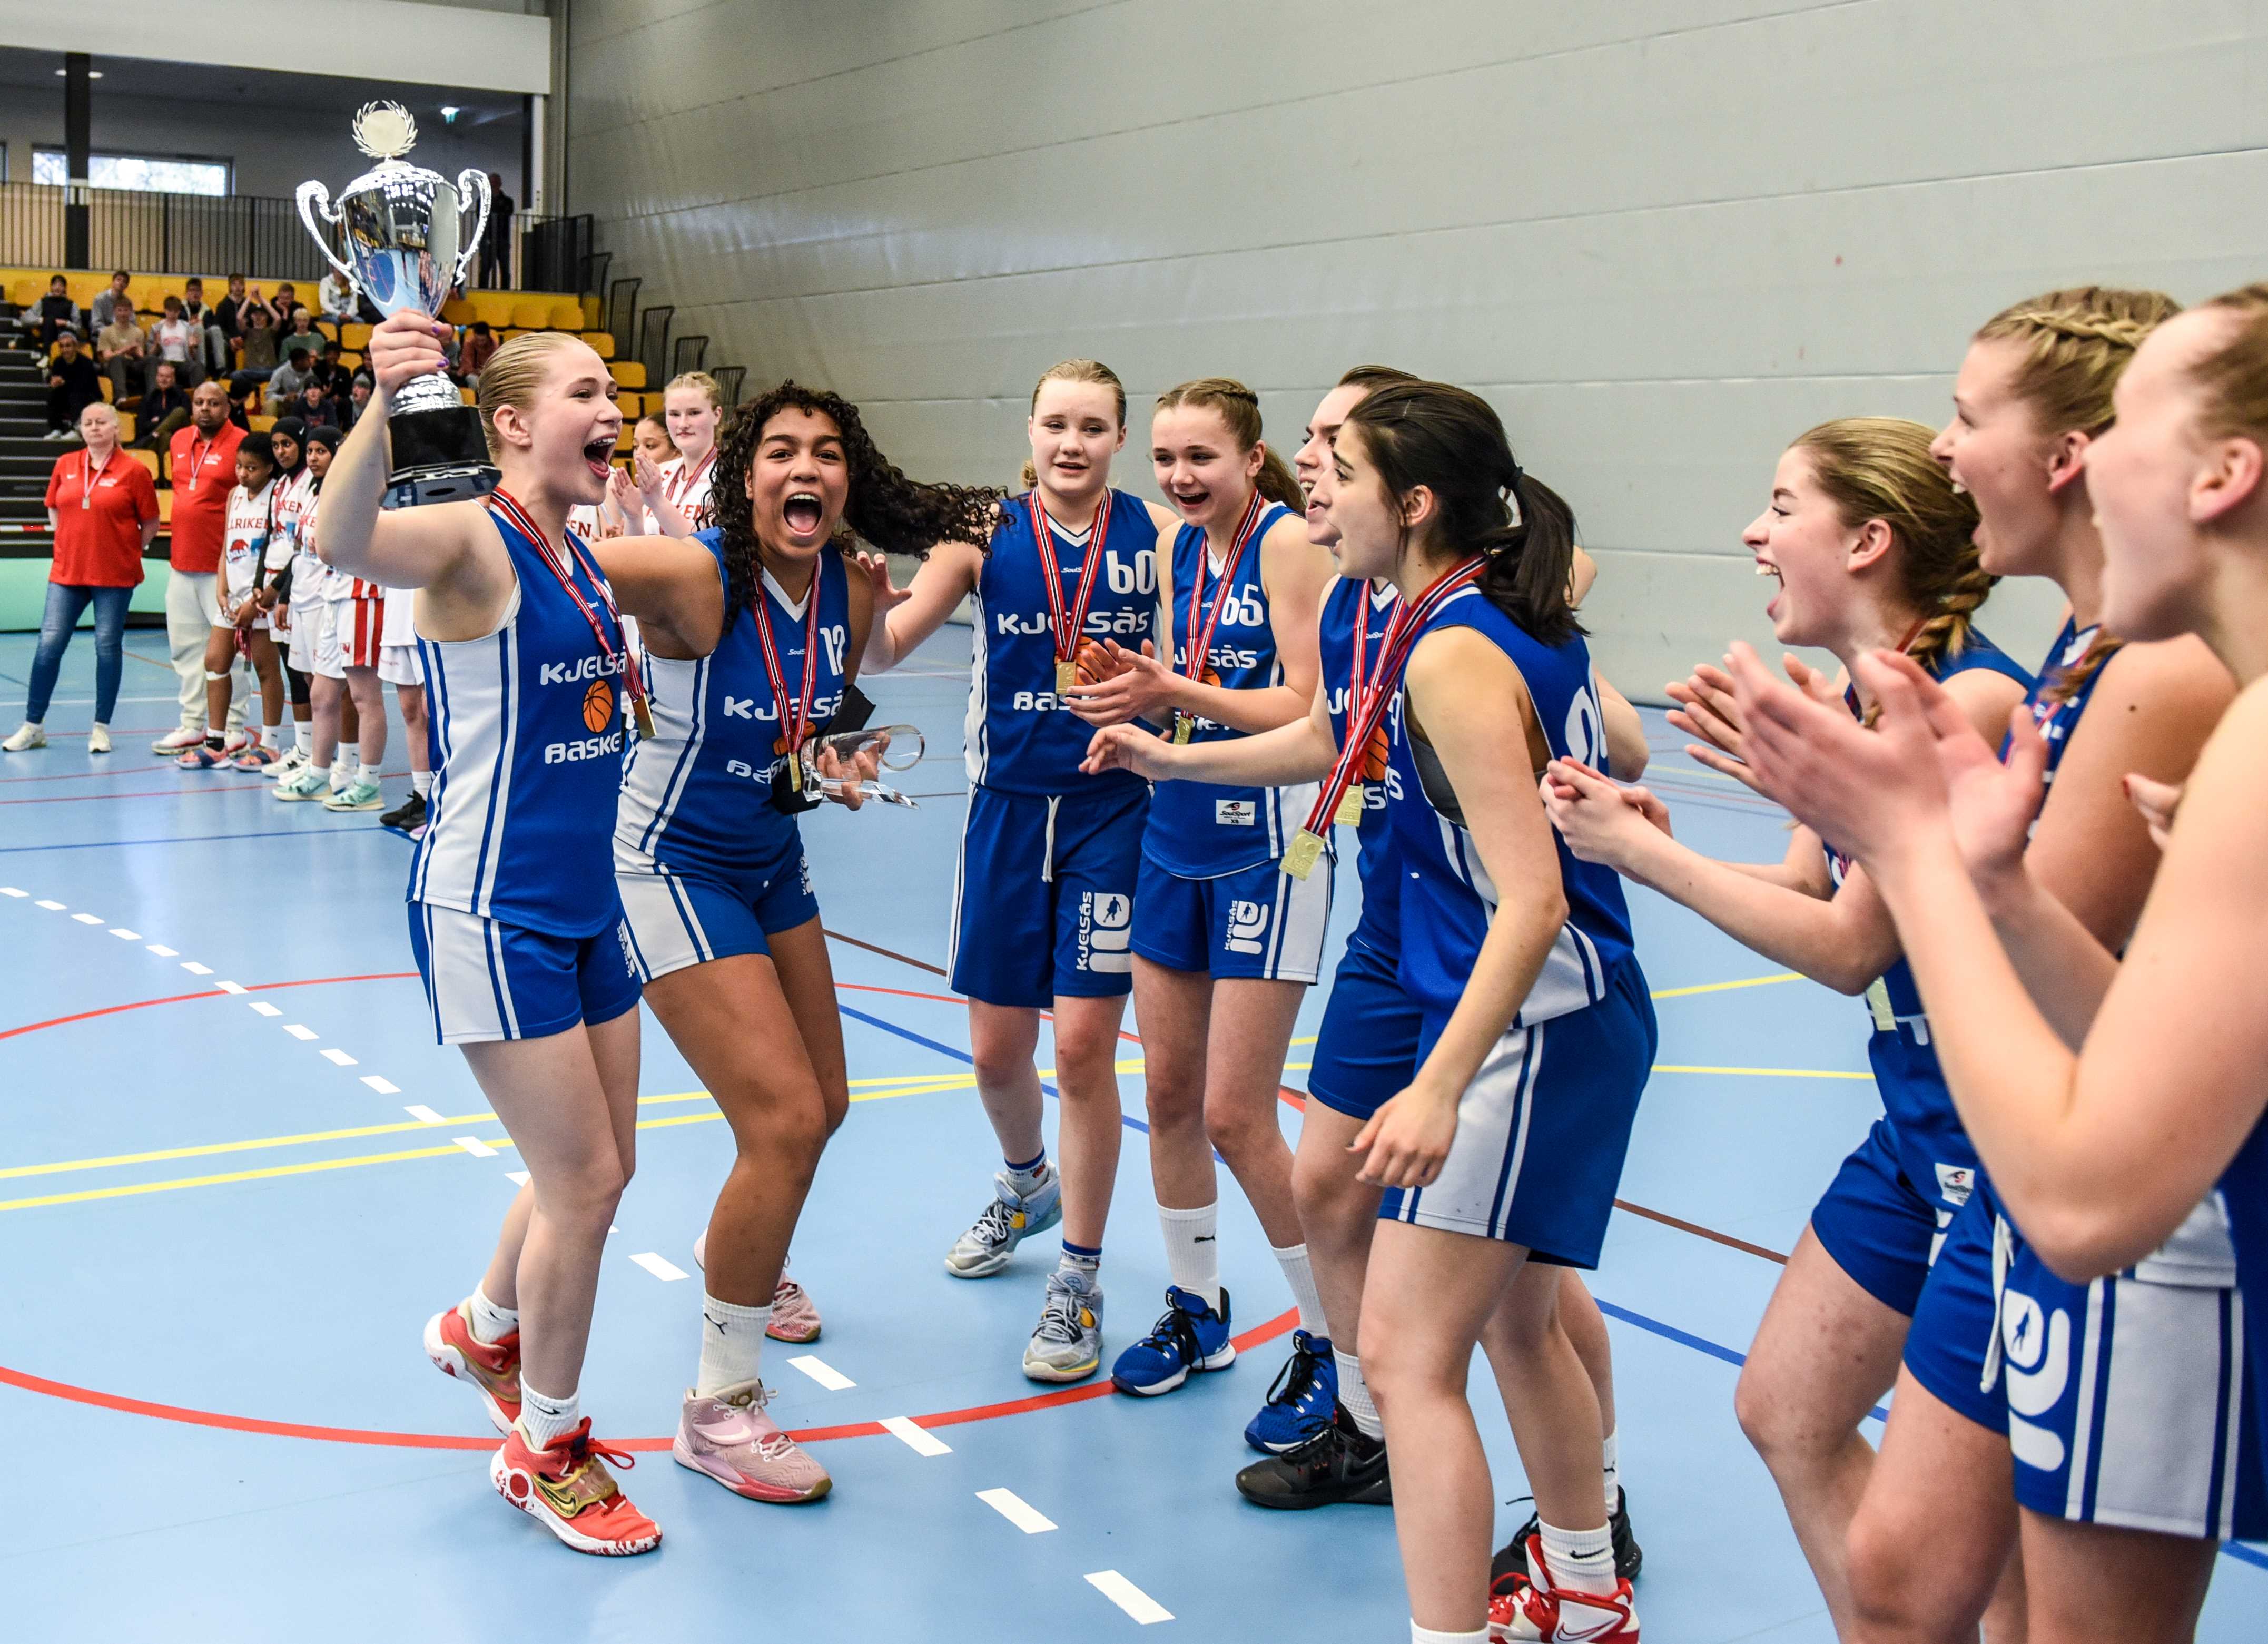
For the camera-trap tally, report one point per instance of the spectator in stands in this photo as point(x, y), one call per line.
point(285, 382)
point(314, 407)
point(174, 340)
point(335, 298)
point(55, 314)
point(107, 301)
point(213, 348)
point(73, 385)
point(357, 403)
point(496, 245)
point(102, 508)
point(165, 408)
point(259, 350)
point(120, 348)
point(286, 298)
point(238, 395)
point(331, 372)
point(300, 332)
point(480, 346)
point(228, 313)
point(203, 466)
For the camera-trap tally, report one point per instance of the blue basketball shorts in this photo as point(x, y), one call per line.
point(1256, 921)
point(486, 980)
point(2124, 1400)
point(1879, 1228)
point(1367, 1051)
point(1043, 899)
point(681, 917)
point(1544, 1128)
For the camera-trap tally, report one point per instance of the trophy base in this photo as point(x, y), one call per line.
point(439, 456)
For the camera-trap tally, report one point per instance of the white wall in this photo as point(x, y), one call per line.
point(1664, 236)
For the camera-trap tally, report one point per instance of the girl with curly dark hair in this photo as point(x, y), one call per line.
point(753, 631)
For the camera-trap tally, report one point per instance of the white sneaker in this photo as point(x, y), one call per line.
point(290, 764)
point(236, 742)
point(98, 740)
point(27, 736)
point(180, 741)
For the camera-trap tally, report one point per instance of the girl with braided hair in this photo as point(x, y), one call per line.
point(753, 629)
point(1869, 545)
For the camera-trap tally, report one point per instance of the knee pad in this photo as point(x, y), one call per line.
point(298, 684)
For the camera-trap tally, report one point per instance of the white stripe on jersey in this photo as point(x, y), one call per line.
point(1572, 977)
point(978, 757)
point(651, 795)
point(476, 681)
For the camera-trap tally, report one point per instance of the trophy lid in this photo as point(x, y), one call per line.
point(386, 131)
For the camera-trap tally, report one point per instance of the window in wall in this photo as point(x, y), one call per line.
point(152, 173)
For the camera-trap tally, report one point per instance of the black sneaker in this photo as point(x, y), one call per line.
point(1511, 1557)
point(1340, 1463)
point(406, 815)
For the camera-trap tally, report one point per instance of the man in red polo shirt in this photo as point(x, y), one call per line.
point(203, 466)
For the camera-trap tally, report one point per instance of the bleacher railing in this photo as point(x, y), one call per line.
point(255, 234)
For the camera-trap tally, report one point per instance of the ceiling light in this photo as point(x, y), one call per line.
point(449, 113)
point(91, 74)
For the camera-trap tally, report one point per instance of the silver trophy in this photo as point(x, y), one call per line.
point(401, 227)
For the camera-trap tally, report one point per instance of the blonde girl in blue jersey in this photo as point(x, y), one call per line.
point(514, 917)
point(1044, 892)
point(1225, 943)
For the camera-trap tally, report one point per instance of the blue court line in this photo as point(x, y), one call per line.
point(959, 1056)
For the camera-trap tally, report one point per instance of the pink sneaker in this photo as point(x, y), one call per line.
point(794, 1318)
point(732, 1439)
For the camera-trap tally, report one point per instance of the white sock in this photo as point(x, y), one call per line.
point(491, 1323)
point(324, 771)
point(421, 782)
point(732, 1345)
point(1580, 1560)
point(1301, 1276)
point(1029, 1179)
point(368, 773)
point(268, 736)
point(339, 777)
point(1354, 1396)
point(303, 736)
point(1193, 1250)
point(543, 1418)
point(1433, 1635)
point(1614, 1475)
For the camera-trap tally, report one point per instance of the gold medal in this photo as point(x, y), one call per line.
point(1066, 677)
point(1349, 814)
point(1878, 1002)
point(795, 770)
point(1307, 850)
point(1182, 725)
point(641, 716)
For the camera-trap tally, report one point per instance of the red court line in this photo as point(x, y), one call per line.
point(207, 993)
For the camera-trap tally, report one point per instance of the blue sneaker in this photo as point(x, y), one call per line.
point(1302, 1401)
point(1188, 1336)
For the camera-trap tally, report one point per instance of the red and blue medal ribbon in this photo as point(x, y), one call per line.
point(507, 505)
point(1200, 640)
point(793, 730)
point(1370, 699)
point(1067, 632)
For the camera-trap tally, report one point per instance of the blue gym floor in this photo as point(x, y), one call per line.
point(237, 1175)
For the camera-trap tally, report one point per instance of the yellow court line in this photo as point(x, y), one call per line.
point(1726, 987)
point(1764, 1072)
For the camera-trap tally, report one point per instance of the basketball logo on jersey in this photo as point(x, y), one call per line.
point(1248, 925)
point(2036, 1347)
point(1106, 932)
point(598, 706)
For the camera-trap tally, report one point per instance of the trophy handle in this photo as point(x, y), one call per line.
point(473, 192)
point(314, 204)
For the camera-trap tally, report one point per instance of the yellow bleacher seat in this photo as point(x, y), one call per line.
point(567, 316)
point(592, 305)
point(165, 507)
point(628, 373)
point(260, 424)
point(532, 313)
point(126, 426)
point(494, 307)
point(458, 311)
point(148, 460)
point(25, 292)
point(468, 396)
point(108, 393)
point(602, 342)
point(354, 335)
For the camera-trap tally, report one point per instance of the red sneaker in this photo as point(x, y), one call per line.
point(566, 1488)
point(493, 1370)
point(1525, 1608)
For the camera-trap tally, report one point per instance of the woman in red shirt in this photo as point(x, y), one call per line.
point(102, 508)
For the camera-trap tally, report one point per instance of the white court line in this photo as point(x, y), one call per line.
point(1129, 1597)
point(337, 1057)
point(125, 935)
point(86, 918)
point(920, 1439)
point(518, 1178)
point(475, 1145)
point(52, 907)
point(384, 1086)
point(821, 1372)
point(1016, 1510)
point(195, 969)
point(232, 987)
point(10, 891)
point(300, 1031)
point(658, 1267)
point(162, 951)
point(262, 1007)
point(424, 1115)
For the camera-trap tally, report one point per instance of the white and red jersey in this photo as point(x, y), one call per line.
point(687, 487)
point(245, 538)
point(290, 497)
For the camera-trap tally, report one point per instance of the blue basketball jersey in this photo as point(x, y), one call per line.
point(2057, 720)
point(697, 792)
point(1019, 739)
point(2244, 1192)
point(1933, 1150)
point(1447, 897)
point(1204, 829)
point(1353, 600)
point(526, 732)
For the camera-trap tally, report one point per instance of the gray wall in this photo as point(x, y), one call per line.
point(1663, 236)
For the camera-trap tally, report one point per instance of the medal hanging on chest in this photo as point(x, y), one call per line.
point(1368, 700)
point(791, 791)
point(1196, 661)
point(1067, 622)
